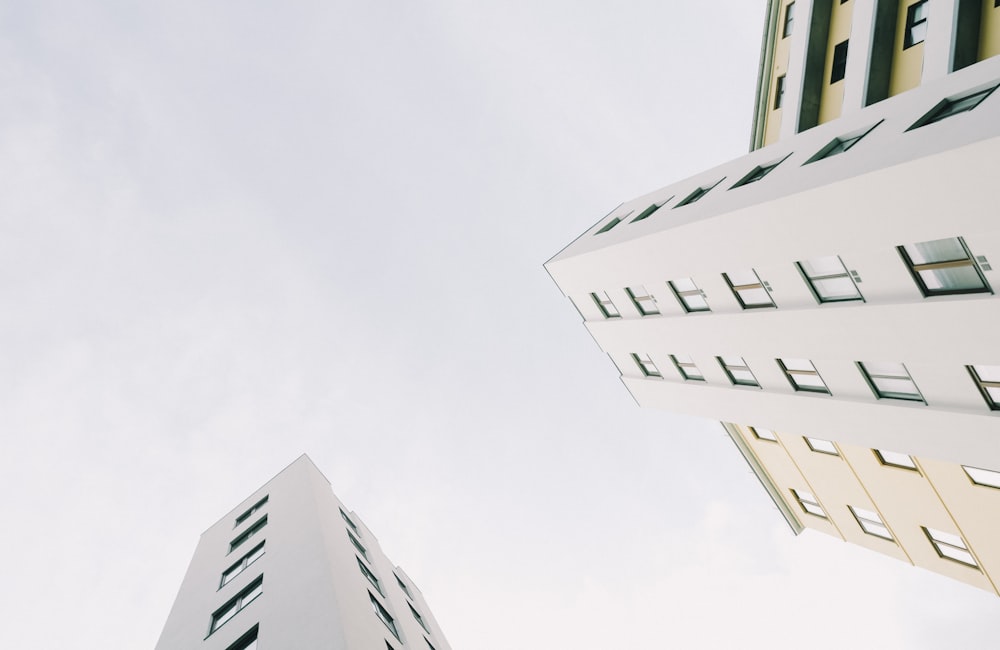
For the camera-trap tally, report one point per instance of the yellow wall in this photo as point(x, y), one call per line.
point(779, 66)
point(908, 64)
point(989, 32)
point(832, 97)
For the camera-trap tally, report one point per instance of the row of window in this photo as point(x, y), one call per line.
point(939, 267)
point(944, 109)
point(887, 380)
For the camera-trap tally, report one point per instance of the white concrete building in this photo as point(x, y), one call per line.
point(291, 567)
point(835, 284)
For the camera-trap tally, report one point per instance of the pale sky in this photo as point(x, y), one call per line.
point(234, 232)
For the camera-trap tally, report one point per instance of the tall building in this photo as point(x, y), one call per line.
point(830, 296)
point(291, 567)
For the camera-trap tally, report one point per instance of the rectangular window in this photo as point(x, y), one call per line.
point(789, 20)
point(233, 607)
point(809, 503)
point(357, 545)
point(829, 279)
point(685, 366)
point(648, 212)
point(986, 477)
point(431, 647)
point(737, 371)
point(763, 434)
point(603, 302)
point(779, 92)
point(895, 459)
point(248, 533)
point(839, 67)
point(246, 642)
point(418, 617)
point(950, 546)
point(402, 585)
point(384, 616)
point(987, 379)
point(943, 267)
point(748, 289)
point(841, 144)
point(802, 375)
point(349, 521)
point(241, 564)
point(646, 365)
point(758, 172)
point(821, 446)
point(609, 225)
point(953, 106)
point(643, 300)
point(916, 24)
point(890, 381)
point(246, 515)
point(690, 296)
point(871, 523)
point(697, 194)
point(366, 572)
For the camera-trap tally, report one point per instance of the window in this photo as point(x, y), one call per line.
point(357, 545)
point(431, 647)
point(246, 642)
point(987, 378)
point(821, 446)
point(950, 546)
point(829, 279)
point(366, 572)
point(809, 503)
point(697, 194)
point(737, 371)
point(779, 92)
point(643, 300)
point(916, 24)
point(246, 515)
point(953, 106)
point(604, 303)
point(840, 145)
point(839, 67)
point(763, 434)
point(748, 289)
point(890, 381)
point(350, 523)
point(646, 365)
point(608, 226)
point(894, 459)
point(986, 477)
point(648, 211)
point(943, 267)
point(237, 568)
point(402, 585)
point(690, 296)
point(789, 20)
point(233, 607)
point(248, 533)
point(384, 615)
point(870, 522)
point(419, 618)
point(758, 172)
point(685, 366)
point(802, 375)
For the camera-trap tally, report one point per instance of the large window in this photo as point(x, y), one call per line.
point(685, 366)
point(233, 607)
point(950, 546)
point(809, 503)
point(890, 381)
point(367, 573)
point(646, 365)
point(690, 296)
point(953, 106)
point(839, 67)
point(603, 302)
point(241, 564)
point(350, 522)
point(895, 459)
point(418, 617)
point(246, 642)
point(246, 515)
point(916, 24)
point(789, 20)
point(829, 279)
point(748, 289)
point(384, 616)
point(248, 533)
point(643, 300)
point(986, 477)
point(841, 144)
point(738, 371)
point(802, 375)
point(943, 267)
point(870, 522)
point(987, 378)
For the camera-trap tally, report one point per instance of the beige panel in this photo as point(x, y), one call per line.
point(832, 98)
point(989, 31)
point(908, 64)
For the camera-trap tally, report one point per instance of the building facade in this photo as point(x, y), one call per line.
point(833, 285)
point(292, 567)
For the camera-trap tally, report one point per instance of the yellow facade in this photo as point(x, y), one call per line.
point(989, 31)
point(779, 67)
point(907, 62)
point(832, 97)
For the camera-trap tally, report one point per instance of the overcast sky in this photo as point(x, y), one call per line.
point(233, 232)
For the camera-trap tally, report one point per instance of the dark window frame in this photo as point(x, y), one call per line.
point(647, 372)
point(968, 260)
point(984, 385)
point(914, 24)
point(739, 382)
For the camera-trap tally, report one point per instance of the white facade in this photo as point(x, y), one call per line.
point(285, 569)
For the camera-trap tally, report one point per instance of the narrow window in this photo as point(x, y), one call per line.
point(821, 446)
point(604, 303)
point(418, 617)
point(809, 503)
point(789, 20)
point(916, 24)
point(985, 477)
point(895, 459)
point(431, 647)
point(779, 92)
point(250, 532)
point(222, 615)
point(646, 365)
point(246, 515)
point(366, 572)
point(349, 521)
point(750, 292)
point(953, 106)
point(738, 371)
point(246, 642)
point(645, 214)
point(890, 381)
point(870, 522)
point(608, 226)
point(839, 68)
point(802, 375)
point(697, 194)
point(384, 615)
point(950, 546)
point(241, 564)
point(357, 545)
point(685, 366)
point(758, 172)
point(828, 279)
point(987, 379)
point(943, 267)
point(402, 585)
point(763, 434)
point(643, 300)
point(690, 296)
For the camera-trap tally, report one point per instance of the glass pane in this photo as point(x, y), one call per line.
point(876, 529)
point(765, 434)
point(947, 538)
point(824, 446)
point(882, 368)
point(983, 476)
point(894, 458)
point(683, 358)
point(743, 376)
point(803, 495)
point(692, 373)
point(841, 288)
point(830, 265)
point(994, 394)
point(954, 279)
point(888, 386)
point(743, 277)
point(733, 361)
point(223, 616)
point(988, 373)
point(809, 381)
point(798, 364)
point(684, 284)
point(254, 555)
point(755, 297)
point(939, 250)
point(866, 514)
point(253, 593)
point(813, 509)
point(231, 573)
point(695, 302)
point(957, 554)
